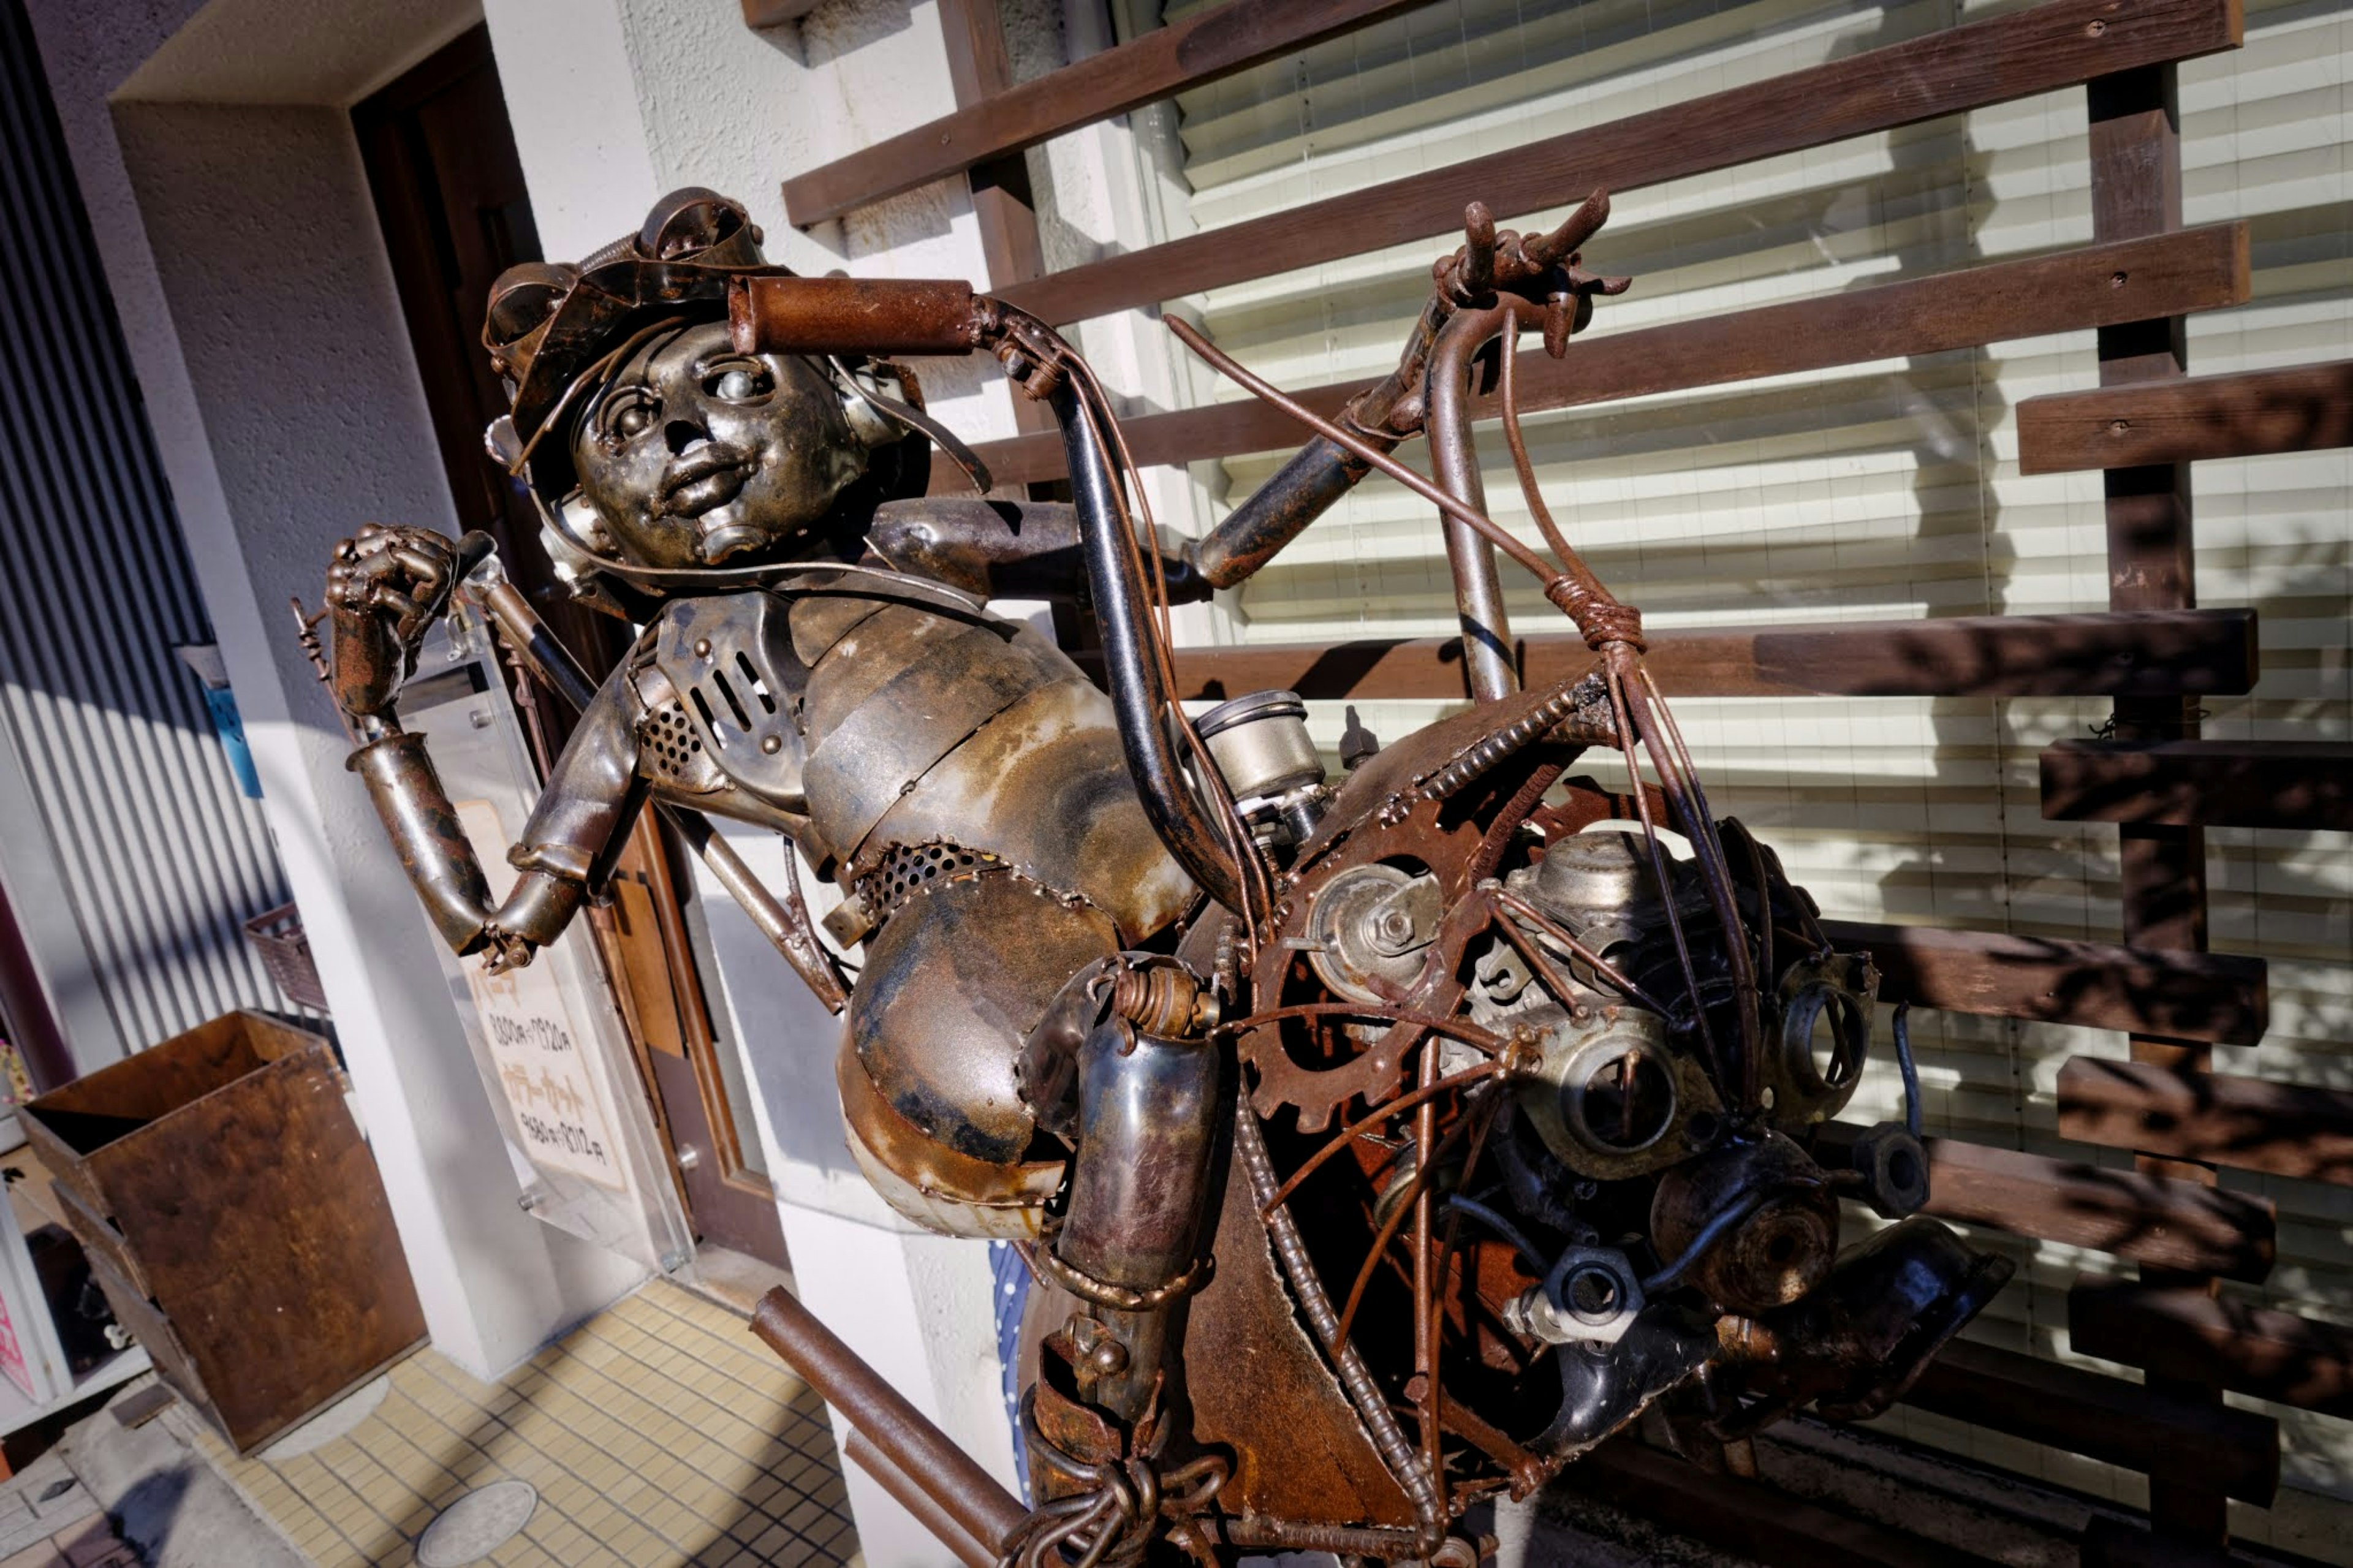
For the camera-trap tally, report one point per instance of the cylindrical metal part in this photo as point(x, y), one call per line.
point(1455, 464)
point(860, 1451)
point(426, 833)
point(1260, 745)
point(926, 1455)
point(1148, 1117)
point(1138, 693)
point(1139, 1185)
point(522, 629)
point(539, 906)
point(1301, 491)
point(853, 316)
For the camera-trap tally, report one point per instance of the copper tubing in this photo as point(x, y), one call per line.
point(861, 1452)
point(926, 1456)
point(854, 316)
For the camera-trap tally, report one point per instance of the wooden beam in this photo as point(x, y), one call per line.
point(1758, 1522)
point(2252, 413)
point(1201, 48)
point(1992, 61)
point(2155, 1220)
point(2204, 651)
point(2223, 998)
point(759, 14)
point(2220, 1119)
point(2206, 784)
point(2198, 269)
point(2183, 1332)
point(2162, 1436)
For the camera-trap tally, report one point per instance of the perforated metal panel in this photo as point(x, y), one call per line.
point(132, 831)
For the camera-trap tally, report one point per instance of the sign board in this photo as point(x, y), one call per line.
point(548, 1039)
point(537, 1047)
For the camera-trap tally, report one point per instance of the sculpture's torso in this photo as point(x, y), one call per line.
point(961, 779)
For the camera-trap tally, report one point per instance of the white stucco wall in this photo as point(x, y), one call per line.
point(241, 247)
point(213, 146)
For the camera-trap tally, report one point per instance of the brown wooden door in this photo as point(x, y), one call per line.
point(449, 193)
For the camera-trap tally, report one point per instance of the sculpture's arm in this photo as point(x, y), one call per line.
point(384, 590)
point(1006, 549)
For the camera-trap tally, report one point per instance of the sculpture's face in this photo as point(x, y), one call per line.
point(693, 453)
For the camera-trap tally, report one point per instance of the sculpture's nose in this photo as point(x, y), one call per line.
point(681, 433)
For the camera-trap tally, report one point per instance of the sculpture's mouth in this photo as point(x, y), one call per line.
point(704, 477)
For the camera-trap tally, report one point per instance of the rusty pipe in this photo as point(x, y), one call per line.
point(926, 1455)
point(855, 316)
point(1455, 463)
point(424, 832)
point(904, 1491)
point(1138, 685)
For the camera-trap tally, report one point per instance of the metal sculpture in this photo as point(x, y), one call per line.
point(1380, 1145)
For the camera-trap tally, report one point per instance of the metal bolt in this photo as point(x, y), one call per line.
point(530, 1201)
point(702, 647)
point(772, 745)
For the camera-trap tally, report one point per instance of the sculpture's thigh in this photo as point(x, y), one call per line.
point(951, 986)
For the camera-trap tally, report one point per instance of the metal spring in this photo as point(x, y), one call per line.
point(1163, 1000)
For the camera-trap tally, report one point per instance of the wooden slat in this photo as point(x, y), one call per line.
point(1992, 61)
point(2224, 998)
point(1202, 48)
point(2155, 1220)
point(2198, 269)
point(2183, 1332)
point(2202, 651)
point(2208, 784)
point(1758, 1522)
point(2161, 1434)
point(759, 14)
point(2300, 409)
point(2221, 1119)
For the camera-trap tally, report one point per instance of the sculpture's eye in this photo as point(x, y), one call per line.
point(626, 414)
point(739, 381)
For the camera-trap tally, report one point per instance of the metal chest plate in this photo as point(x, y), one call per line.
point(738, 687)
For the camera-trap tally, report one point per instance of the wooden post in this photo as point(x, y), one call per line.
point(2135, 181)
point(1001, 198)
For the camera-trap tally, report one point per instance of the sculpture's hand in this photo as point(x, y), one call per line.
point(385, 587)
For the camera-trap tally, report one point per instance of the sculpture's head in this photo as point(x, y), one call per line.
point(654, 448)
point(690, 454)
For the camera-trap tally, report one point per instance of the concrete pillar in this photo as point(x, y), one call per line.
point(614, 102)
point(242, 248)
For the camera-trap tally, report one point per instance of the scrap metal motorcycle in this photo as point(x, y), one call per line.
point(1379, 1144)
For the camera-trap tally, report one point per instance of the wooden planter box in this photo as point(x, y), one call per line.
point(234, 1219)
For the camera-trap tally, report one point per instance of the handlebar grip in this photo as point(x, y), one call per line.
point(853, 316)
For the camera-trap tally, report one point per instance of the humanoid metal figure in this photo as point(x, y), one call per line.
point(1123, 970)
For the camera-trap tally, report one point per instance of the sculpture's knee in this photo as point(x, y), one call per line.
point(951, 986)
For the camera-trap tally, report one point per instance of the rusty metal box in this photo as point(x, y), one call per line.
point(235, 1218)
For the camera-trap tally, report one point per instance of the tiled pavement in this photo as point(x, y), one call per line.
point(659, 1433)
point(47, 1520)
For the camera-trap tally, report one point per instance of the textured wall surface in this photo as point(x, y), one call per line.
point(158, 854)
